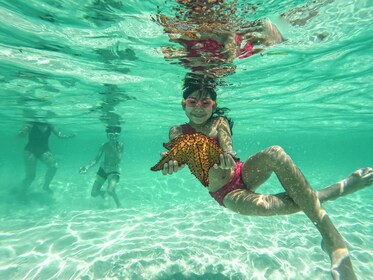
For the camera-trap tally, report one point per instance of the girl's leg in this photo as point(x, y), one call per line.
point(273, 159)
point(112, 183)
point(358, 180)
point(48, 159)
point(30, 170)
point(247, 202)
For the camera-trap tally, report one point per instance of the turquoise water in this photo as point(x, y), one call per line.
point(311, 95)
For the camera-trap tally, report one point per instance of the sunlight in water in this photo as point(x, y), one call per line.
point(296, 74)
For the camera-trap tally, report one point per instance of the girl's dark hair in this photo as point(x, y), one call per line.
point(206, 86)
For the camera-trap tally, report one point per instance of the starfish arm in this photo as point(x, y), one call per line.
point(196, 150)
point(160, 164)
point(179, 149)
point(171, 144)
point(198, 172)
point(195, 164)
point(184, 138)
point(172, 155)
point(214, 152)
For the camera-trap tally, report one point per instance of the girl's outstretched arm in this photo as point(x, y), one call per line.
point(224, 134)
point(225, 140)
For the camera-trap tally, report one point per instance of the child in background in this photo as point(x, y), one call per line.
point(109, 169)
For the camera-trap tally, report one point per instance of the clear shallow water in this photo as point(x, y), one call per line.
point(315, 101)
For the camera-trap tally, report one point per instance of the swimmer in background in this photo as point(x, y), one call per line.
point(109, 170)
point(233, 183)
point(37, 148)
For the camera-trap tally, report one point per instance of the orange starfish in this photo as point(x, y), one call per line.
point(196, 150)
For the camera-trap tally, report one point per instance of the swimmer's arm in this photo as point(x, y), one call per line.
point(24, 130)
point(175, 131)
point(85, 168)
point(121, 150)
point(224, 135)
point(225, 139)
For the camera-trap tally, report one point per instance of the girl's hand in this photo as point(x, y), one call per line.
point(226, 161)
point(171, 167)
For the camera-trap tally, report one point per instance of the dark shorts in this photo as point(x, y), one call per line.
point(37, 151)
point(101, 172)
point(235, 183)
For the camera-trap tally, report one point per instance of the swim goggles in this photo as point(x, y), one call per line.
point(113, 133)
point(193, 102)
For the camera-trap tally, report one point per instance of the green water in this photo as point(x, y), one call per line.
point(311, 94)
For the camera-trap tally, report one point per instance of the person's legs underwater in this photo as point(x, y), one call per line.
point(113, 180)
point(273, 159)
point(30, 171)
point(49, 160)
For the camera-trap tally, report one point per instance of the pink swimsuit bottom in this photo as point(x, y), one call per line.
point(235, 183)
point(195, 47)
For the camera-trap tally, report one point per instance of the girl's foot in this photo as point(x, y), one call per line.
point(341, 265)
point(358, 180)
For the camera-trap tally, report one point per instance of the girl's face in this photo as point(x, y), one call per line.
point(199, 108)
